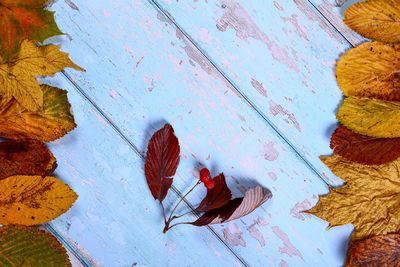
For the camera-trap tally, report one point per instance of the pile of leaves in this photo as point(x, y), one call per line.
point(367, 143)
point(162, 160)
point(30, 114)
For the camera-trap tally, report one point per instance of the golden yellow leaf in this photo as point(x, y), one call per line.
point(28, 247)
point(369, 200)
point(375, 118)
point(31, 200)
point(375, 19)
point(370, 70)
point(52, 122)
point(17, 78)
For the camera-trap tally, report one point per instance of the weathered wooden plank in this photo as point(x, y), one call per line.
point(115, 221)
point(141, 72)
point(280, 55)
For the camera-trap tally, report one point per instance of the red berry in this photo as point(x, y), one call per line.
point(210, 184)
point(205, 175)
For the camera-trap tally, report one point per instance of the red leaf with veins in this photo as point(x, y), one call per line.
point(162, 160)
point(216, 197)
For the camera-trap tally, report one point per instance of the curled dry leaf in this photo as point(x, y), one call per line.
point(31, 200)
point(18, 76)
point(374, 118)
point(216, 197)
point(236, 208)
point(25, 157)
point(162, 160)
point(377, 251)
point(29, 246)
point(375, 19)
point(369, 199)
point(364, 149)
point(370, 70)
point(51, 123)
point(24, 19)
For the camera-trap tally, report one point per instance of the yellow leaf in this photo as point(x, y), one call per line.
point(17, 78)
point(52, 122)
point(31, 200)
point(369, 200)
point(375, 118)
point(375, 19)
point(29, 246)
point(370, 70)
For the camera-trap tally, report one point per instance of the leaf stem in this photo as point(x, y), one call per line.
point(166, 228)
point(163, 211)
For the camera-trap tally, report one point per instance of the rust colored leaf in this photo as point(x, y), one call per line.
point(24, 19)
point(375, 19)
point(377, 251)
point(216, 197)
point(364, 149)
point(162, 160)
point(25, 157)
point(236, 208)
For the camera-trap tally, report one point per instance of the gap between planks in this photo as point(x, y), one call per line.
point(137, 151)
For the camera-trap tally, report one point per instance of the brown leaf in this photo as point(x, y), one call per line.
point(236, 208)
point(375, 19)
point(377, 251)
point(25, 157)
point(364, 149)
point(216, 197)
point(162, 160)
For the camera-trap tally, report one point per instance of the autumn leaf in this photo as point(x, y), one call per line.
point(375, 19)
point(377, 251)
point(18, 77)
point(374, 118)
point(216, 197)
point(29, 246)
point(51, 123)
point(24, 19)
point(31, 200)
point(25, 157)
point(369, 199)
point(364, 149)
point(162, 160)
point(370, 70)
point(235, 208)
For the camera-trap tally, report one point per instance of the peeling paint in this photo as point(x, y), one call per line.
point(255, 232)
point(275, 109)
point(259, 87)
point(270, 153)
point(71, 5)
point(233, 234)
point(288, 247)
point(237, 18)
point(301, 206)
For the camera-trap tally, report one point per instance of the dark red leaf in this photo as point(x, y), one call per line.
point(381, 250)
point(364, 149)
point(25, 157)
point(162, 160)
point(216, 197)
point(236, 208)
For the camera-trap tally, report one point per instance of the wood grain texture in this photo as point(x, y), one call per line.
point(142, 72)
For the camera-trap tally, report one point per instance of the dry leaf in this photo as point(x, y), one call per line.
point(369, 199)
point(53, 122)
point(364, 149)
point(370, 70)
point(18, 77)
point(29, 246)
point(24, 19)
point(162, 160)
point(216, 197)
point(374, 118)
point(31, 200)
point(25, 157)
point(236, 208)
point(377, 251)
point(375, 19)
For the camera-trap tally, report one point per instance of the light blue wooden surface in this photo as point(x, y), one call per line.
point(256, 100)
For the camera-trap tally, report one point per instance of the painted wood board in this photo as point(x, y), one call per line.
point(141, 82)
point(280, 54)
point(115, 221)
